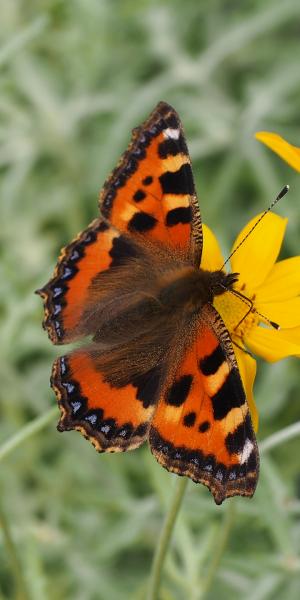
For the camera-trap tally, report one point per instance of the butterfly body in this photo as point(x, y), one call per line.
point(159, 363)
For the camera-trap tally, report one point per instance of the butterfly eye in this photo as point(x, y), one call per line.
point(220, 282)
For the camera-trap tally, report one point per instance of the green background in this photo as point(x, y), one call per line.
point(75, 77)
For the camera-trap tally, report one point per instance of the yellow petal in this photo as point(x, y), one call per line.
point(289, 153)
point(212, 258)
point(247, 368)
point(286, 314)
point(283, 281)
point(232, 310)
point(292, 335)
point(274, 345)
point(257, 255)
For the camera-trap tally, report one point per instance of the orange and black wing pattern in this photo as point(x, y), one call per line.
point(114, 418)
point(202, 426)
point(109, 286)
point(151, 192)
point(73, 287)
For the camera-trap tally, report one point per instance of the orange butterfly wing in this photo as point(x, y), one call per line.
point(113, 418)
point(66, 294)
point(202, 426)
point(152, 192)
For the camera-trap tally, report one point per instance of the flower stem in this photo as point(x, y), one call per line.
point(27, 431)
point(279, 437)
point(165, 538)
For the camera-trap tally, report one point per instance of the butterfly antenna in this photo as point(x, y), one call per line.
point(281, 194)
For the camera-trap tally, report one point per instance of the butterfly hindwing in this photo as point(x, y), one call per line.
point(114, 418)
point(202, 426)
point(152, 192)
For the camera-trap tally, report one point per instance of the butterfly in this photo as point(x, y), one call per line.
point(157, 362)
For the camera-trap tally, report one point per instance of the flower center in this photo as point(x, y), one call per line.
point(237, 311)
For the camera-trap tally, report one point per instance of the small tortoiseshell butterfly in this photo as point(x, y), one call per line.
point(159, 363)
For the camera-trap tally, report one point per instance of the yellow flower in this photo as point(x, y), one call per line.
point(289, 153)
point(273, 288)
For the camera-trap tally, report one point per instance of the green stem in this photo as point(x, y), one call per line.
point(219, 547)
point(165, 538)
point(12, 555)
point(27, 431)
point(279, 437)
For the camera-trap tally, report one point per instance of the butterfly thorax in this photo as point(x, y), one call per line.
point(152, 295)
point(190, 289)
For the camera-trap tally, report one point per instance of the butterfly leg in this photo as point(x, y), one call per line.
point(246, 300)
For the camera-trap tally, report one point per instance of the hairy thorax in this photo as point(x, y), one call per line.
point(162, 293)
point(189, 289)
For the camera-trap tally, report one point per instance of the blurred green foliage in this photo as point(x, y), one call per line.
point(75, 77)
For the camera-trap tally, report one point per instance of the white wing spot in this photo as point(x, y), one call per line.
point(244, 455)
point(171, 133)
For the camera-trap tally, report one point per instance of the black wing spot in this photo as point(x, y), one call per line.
point(189, 419)
point(230, 395)
point(148, 180)
point(210, 364)
point(235, 441)
point(203, 427)
point(179, 391)
point(178, 182)
point(139, 196)
point(182, 214)
point(147, 386)
point(141, 222)
point(172, 147)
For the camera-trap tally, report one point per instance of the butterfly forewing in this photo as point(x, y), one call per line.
point(73, 291)
point(152, 192)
